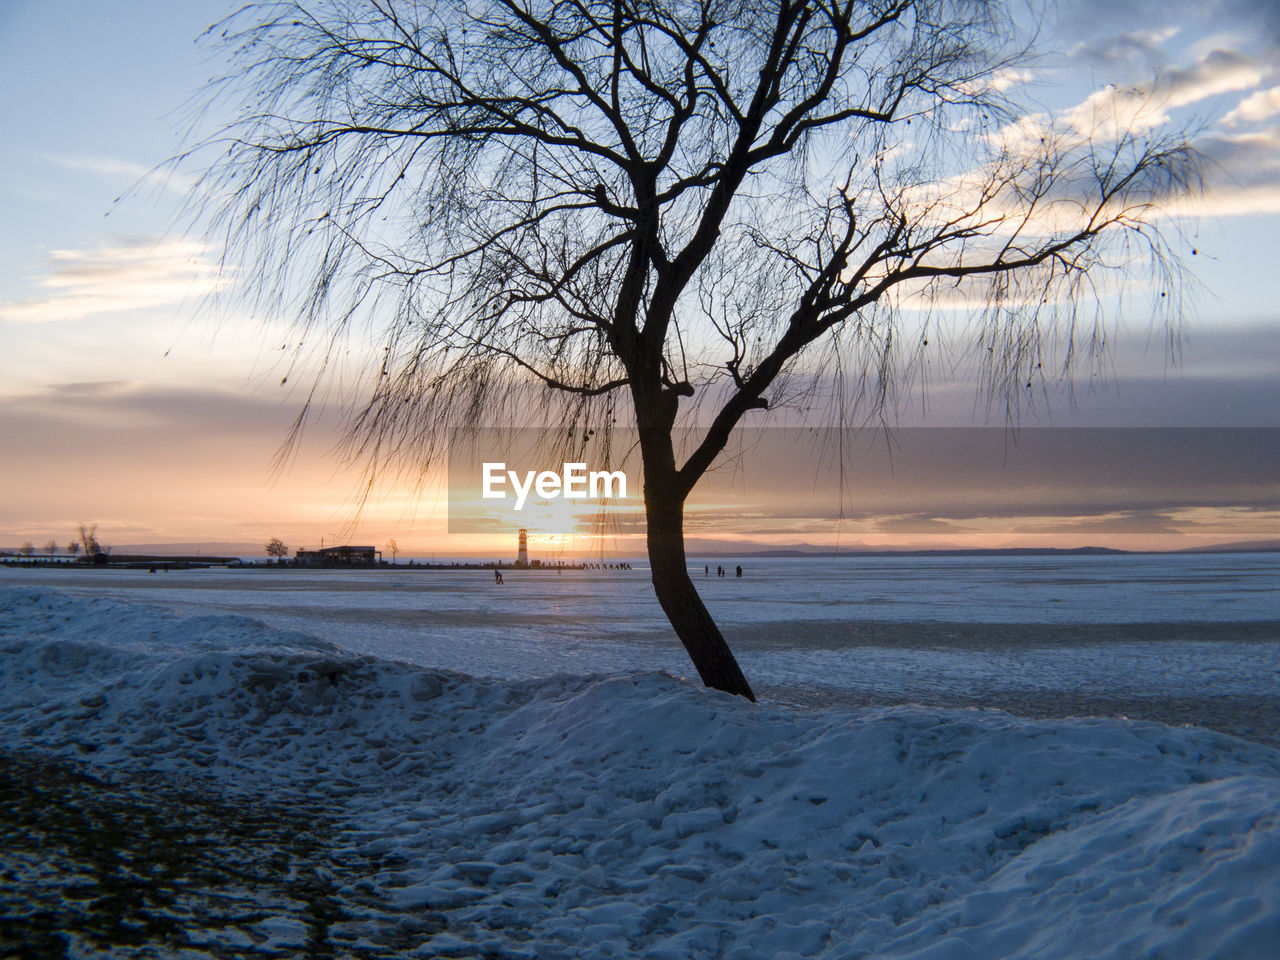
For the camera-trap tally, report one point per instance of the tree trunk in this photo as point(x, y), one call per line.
point(664, 512)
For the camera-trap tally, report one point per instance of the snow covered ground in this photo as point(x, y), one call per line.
point(179, 779)
point(1182, 639)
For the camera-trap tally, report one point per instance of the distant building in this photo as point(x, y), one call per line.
point(339, 557)
point(522, 554)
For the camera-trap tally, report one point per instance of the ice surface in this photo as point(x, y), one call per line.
point(635, 814)
point(935, 630)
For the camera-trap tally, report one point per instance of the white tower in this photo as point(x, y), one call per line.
point(522, 558)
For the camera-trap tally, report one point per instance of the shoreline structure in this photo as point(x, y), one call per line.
point(194, 562)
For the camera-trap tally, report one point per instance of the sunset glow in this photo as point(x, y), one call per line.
point(137, 396)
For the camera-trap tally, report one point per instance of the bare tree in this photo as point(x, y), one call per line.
point(663, 214)
point(51, 548)
point(73, 548)
point(27, 549)
point(89, 540)
point(276, 548)
point(393, 548)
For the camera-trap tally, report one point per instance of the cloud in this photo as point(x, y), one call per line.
point(131, 274)
point(1139, 46)
point(1043, 172)
point(1219, 71)
point(116, 168)
point(918, 523)
point(1118, 27)
point(1121, 521)
point(1243, 176)
point(98, 412)
point(997, 82)
point(1113, 111)
point(90, 389)
point(1258, 106)
point(1240, 521)
point(156, 463)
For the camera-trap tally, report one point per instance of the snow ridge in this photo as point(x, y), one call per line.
point(639, 815)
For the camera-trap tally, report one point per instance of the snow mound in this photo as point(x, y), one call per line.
point(640, 815)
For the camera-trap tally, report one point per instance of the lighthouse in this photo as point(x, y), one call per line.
point(522, 557)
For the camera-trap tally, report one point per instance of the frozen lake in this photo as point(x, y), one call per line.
point(1190, 638)
point(175, 754)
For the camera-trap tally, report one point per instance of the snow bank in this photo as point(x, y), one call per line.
point(639, 815)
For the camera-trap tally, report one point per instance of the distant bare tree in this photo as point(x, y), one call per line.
point(276, 548)
point(73, 548)
point(89, 540)
point(51, 548)
point(393, 548)
point(26, 550)
point(666, 213)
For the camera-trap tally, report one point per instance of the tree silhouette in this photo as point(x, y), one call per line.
point(660, 214)
point(89, 540)
point(393, 548)
point(276, 548)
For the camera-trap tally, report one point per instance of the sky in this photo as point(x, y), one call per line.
point(125, 402)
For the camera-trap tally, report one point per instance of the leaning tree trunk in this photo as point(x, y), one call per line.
point(664, 512)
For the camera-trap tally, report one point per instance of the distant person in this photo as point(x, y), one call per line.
point(739, 571)
point(719, 570)
point(497, 576)
point(706, 570)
